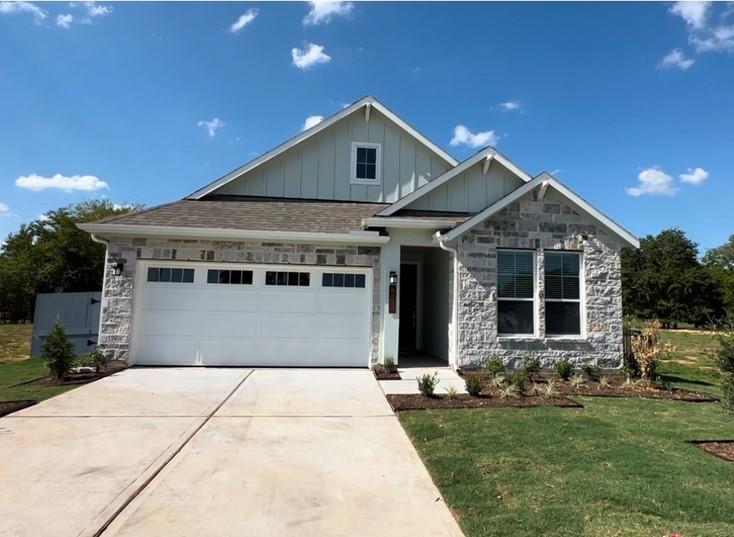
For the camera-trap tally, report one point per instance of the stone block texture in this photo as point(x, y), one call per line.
point(539, 225)
point(117, 298)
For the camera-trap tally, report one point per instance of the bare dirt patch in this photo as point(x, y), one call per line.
point(7, 407)
point(76, 378)
point(724, 449)
point(381, 374)
point(421, 402)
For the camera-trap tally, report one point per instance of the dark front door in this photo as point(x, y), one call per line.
point(408, 307)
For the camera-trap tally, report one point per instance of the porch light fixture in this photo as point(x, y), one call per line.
point(117, 268)
point(393, 277)
point(392, 292)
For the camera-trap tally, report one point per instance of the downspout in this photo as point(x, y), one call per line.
point(454, 298)
point(104, 282)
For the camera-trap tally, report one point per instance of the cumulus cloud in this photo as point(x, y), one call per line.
point(463, 136)
point(694, 13)
point(676, 58)
point(312, 121)
point(97, 10)
point(64, 20)
point(709, 29)
point(8, 8)
point(322, 12)
point(720, 38)
point(309, 56)
point(67, 183)
point(211, 126)
point(654, 182)
point(510, 105)
point(4, 208)
point(694, 176)
point(246, 18)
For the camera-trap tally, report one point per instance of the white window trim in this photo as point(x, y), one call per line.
point(529, 335)
point(581, 300)
point(378, 164)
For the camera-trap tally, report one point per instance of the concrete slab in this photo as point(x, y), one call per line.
point(290, 476)
point(185, 391)
point(308, 392)
point(409, 383)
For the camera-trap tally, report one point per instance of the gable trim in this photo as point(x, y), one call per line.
point(488, 153)
point(544, 180)
point(305, 135)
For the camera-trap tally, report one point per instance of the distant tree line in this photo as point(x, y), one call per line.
point(665, 279)
point(50, 254)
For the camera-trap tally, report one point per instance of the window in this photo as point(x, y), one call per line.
point(170, 275)
point(291, 279)
point(515, 292)
point(366, 163)
point(236, 277)
point(336, 279)
point(562, 293)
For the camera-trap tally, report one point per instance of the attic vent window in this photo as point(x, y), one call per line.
point(366, 163)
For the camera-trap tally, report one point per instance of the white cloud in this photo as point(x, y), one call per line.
point(463, 136)
point(96, 10)
point(64, 20)
point(695, 176)
point(720, 38)
point(23, 7)
point(510, 105)
point(694, 13)
point(655, 182)
point(246, 18)
point(211, 126)
point(309, 56)
point(67, 183)
point(312, 121)
point(4, 208)
point(323, 11)
point(676, 58)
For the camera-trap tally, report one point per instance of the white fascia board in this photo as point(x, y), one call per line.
point(137, 230)
point(326, 123)
point(543, 179)
point(408, 223)
point(488, 153)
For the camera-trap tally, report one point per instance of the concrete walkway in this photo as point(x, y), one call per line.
point(216, 452)
point(409, 380)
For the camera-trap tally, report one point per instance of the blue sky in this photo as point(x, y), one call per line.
point(629, 104)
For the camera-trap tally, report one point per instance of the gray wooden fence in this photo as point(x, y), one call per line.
point(77, 312)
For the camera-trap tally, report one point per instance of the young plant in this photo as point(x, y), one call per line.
point(499, 381)
point(564, 369)
point(510, 390)
point(98, 360)
point(517, 379)
point(451, 392)
point(389, 365)
point(604, 382)
point(473, 385)
point(57, 352)
point(577, 381)
point(494, 366)
point(592, 371)
point(537, 389)
point(550, 389)
point(647, 350)
point(427, 384)
point(531, 366)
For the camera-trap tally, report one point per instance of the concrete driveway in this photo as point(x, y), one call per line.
point(216, 452)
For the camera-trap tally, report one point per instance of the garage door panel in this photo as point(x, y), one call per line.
point(168, 323)
point(154, 350)
point(288, 301)
point(336, 350)
point(237, 300)
point(174, 297)
point(231, 323)
point(288, 351)
point(335, 326)
point(228, 351)
point(342, 302)
point(287, 325)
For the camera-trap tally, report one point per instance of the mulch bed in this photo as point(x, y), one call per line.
point(616, 388)
point(381, 374)
point(421, 402)
point(7, 407)
point(76, 378)
point(724, 449)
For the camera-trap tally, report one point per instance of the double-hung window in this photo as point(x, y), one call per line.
point(515, 292)
point(562, 293)
point(366, 163)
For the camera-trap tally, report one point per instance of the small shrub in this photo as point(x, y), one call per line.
point(427, 384)
point(473, 385)
point(499, 381)
point(98, 360)
point(531, 366)
point(57, 352)
point(537, 389)
point(550, 389)
point(517, 379)
point(389, 365)
point(510, 390)
point(494, 366)
point(592, 371)
point(727, 393)
point(577, 381)
point(451, 392)
point(647, 350)
point(629, 383)
point(604, 382)
point(564, 369)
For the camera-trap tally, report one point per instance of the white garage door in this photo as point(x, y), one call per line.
point(254, 315)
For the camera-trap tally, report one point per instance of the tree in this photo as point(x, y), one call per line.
point(720, 263)
point(57, 351)
point(51, 254)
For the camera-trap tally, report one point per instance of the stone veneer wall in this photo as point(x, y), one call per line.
point(539, 225)
point(117, 300)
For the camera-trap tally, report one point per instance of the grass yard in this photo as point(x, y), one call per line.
point(12, 373)
point(15, 342)
point(690, 366)
point(618, 467)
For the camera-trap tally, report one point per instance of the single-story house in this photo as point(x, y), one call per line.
point(360, 239)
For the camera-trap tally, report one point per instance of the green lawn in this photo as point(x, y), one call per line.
point(690, 365)
point(15, 342)
point(617, 467)
point(12, 373)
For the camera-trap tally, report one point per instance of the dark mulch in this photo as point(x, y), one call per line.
point(7, 407)
point(421, 402)
point(616, 388)
point(381, 374)
point(724, 449)
point(76, 378)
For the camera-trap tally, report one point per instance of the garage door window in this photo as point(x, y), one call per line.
point(337, 279)
point(170, 275)
point(290, 279)
point(236, 277)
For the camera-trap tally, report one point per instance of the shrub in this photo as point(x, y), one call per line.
point(727, 393)
point(98, 359)
point(531, 366)
point(564, 369)
point(451, 392)
point(592, 371)
point(494, 366)
point(389, 365)
point(473, 385)
point(577, 381)
point(647, 349)
point(724, 359)
point(517, 379)
point(604, 382)
point(509, 391)
point(427, 384)
point(57, 352)
point(550, 389)
point(499, 381)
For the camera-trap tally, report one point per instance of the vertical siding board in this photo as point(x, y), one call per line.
point(358, 130)
point(292, 177)
point(342, 160)
point(407, 164)
point(325, 175)
point(376, 134)
point(309, 169)
point(391, 165)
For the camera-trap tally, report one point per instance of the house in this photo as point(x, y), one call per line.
point(361, 239)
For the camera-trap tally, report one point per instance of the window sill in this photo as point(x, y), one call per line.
point(532, 338)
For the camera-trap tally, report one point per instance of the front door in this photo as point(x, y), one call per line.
point(408, 307)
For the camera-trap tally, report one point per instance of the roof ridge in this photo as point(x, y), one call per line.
point(112, 219)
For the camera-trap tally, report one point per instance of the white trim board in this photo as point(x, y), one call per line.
point(488, 154)
point(543, 179)
point(331, 120)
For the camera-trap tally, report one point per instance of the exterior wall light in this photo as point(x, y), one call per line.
point(117, 268)
point(393, 277)
point(392, 294)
